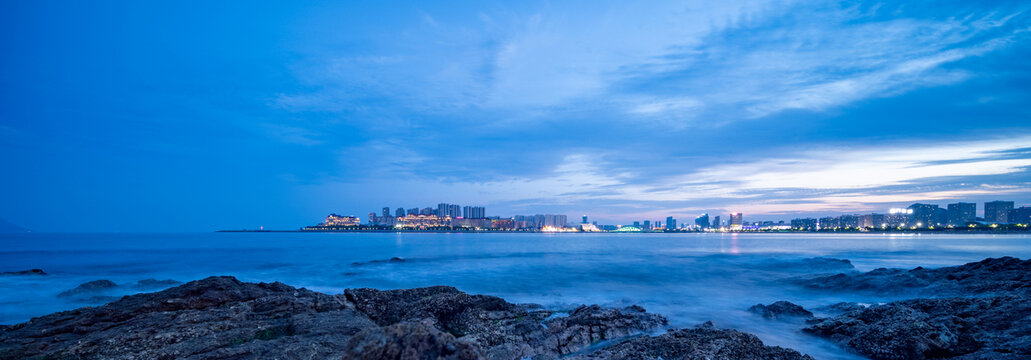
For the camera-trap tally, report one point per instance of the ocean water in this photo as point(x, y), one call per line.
point(690, 278)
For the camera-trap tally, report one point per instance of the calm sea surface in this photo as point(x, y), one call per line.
point(690, 278)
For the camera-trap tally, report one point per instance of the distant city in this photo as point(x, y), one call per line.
point(452, 217)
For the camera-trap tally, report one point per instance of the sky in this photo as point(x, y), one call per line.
point(197, 115)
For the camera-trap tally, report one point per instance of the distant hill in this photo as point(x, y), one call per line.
point(6, 227)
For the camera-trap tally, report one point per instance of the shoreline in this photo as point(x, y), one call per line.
point(910, 231)
point(975, 310)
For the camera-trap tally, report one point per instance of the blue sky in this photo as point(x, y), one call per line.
point(194, 116)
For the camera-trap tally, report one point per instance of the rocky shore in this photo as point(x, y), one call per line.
point(221, 317)
point(980, 310)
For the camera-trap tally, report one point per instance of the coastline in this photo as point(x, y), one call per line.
point(967, 311)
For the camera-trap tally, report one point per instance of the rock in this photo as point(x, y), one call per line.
point(701, 342)
point(842, 307)
point(408, 341)
point(968, 328)
point(24, 272)
point(149, 284)
point(396, 259)
point(221, 317)
point(89, 288)
point(780, 310)
point(217, 317)
point(990, 276)
point(501, 329)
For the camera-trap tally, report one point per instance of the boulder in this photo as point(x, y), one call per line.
point(701, 342)
point(780, 310)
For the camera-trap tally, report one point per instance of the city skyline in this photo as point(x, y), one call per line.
point(916, 215)
point(230, 115)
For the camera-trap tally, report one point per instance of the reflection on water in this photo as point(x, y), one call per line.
point(691, 278)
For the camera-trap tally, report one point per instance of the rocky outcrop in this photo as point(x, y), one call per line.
point(23, 272)
point(92, 287)
point(990, 276)
point(780, 310)
point(501, 329)
point(701, 342)
point(221, 317)
point(968, 328)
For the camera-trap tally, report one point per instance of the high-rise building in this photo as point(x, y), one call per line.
point(452, 210)
point(637, 224)
point(702, 221)
point(961, 213)
point(412, 211)
point(426, 211)
point(474, 212)
point(558, 221)
point(804, 224)
point(1020, 215)
point(386, 212)
point(584, 220)
point(671, 223)
point(716, 222)
point(400, 212)
point(736, 219)
point(997, 212)
point(872, 221)
point(925, 215)
point(647, 225)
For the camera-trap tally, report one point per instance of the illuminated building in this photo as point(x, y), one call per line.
point(386, 212)
point(736, 219)
point(584, 220)
point(1021, 215)
point(557, 221)
point(899, 217)
point(647, 225)
point(961, 213)
point(804, 224)
point(502, 224)
point(399, 213)
point(339, 220)
point(872, 221)
point(473, 223)
point(412, 211)
point(716, 222)
point(997, 212)
point(702, 221)
point(925, 215)
point(671, 223)
point(423, 222)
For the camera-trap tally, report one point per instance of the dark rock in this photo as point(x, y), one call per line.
point(702, 342)
point(148, 284)
point(503, 330)
point(25, 272)
point(221, 317)
point(408, 341)
point(396, 259)
point(218, 317)
point(780, 310)
point(968, 328)
point(990, 276)
point(89, 288)
point(841, 308)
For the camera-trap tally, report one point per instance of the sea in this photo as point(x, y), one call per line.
point(690, 278)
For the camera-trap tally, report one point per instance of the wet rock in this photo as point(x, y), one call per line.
point(701, 342)
point(967, 328)
point(842, 307)
point(990, 276)
point(24, 272)
point(780, 310)
point(150, 284)
point(218, 317)
point(503, 330)
point(89, 288)
point(408, 341)
point(221, 317)
point(396, 259)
